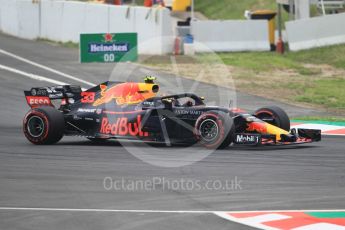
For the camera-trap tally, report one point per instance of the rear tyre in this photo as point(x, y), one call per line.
point(44, 125)
point(274, 115)
point(214, 130)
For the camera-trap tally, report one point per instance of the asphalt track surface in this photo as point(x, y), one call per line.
point(69, 176)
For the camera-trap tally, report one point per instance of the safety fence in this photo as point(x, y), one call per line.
point(231, 35)
point(316, 32)
point(63, 21)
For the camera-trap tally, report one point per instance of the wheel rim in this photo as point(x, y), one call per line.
point(35, 126)
point(209, 130)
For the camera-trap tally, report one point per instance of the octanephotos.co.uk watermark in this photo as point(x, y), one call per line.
point(165, 184)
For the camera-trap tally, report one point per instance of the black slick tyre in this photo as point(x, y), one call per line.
point(44, 125)
point(214, 130)
point(274, 115)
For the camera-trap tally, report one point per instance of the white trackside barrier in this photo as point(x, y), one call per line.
point(316, 32)
point(231, 35)
point(8, 17)
point(19, 18)
point(64, 20)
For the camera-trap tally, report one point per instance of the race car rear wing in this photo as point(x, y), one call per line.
point(40, 96)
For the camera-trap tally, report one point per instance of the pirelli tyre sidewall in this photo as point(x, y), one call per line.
point(43, 125)
point(222, 130)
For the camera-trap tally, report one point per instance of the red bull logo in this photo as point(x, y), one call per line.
point(266, 128)
point(122, 127)
point(257, 127)
point(126, 93)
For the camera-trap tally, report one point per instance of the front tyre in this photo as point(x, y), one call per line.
point(44, 125)
point(275, 116)
point(214, 130)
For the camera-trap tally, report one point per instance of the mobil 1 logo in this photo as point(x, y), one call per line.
point(247, 139)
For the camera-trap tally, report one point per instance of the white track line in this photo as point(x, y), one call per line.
point(45, 67)
point(153, 211)
point(32, 76)
point(104, 210)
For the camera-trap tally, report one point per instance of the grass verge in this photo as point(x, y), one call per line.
point(263, 61)
point(63, 44)
point(234, 9)
point(319, 119)
point(231, 9)
point(312, 78)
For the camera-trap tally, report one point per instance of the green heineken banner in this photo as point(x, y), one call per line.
point(119, 47)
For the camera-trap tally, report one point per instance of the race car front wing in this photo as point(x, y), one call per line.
point(296, 136)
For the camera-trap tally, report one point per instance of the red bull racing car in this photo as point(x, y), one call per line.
point(134, 111)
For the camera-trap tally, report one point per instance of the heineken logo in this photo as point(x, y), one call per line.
point(108, 47)
point(108, 37)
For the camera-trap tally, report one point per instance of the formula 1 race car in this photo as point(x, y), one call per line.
point(133, 111)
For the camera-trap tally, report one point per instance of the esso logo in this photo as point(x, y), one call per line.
point(39, 101)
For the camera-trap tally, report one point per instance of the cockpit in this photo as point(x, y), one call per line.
point(173, 101)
